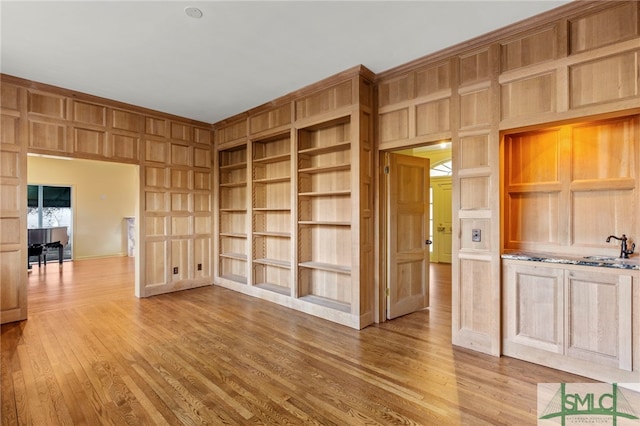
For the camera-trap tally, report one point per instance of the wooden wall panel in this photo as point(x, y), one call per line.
point(324, 101)
point(155, 263)
point(474, 152)
point(395, 91)
point(49, 137)
point(89, 114)
point(598, 214)
point(181, 225)
point(608, 79)
point(475, 109)
point(604, 27)
point(155, 226)
point(484, 225)
point(474, 193)
point(394, 126)
point(534, 95)
point(433, 117)
point(181, 155)
point(202, 157)
point(124, 148)
point(231, 132)
point(181, 179)
point(530, 49)
point(155, 126)
point(156, 151)
point(203, 136)
point(474, 67)
point(125, 120)
point(433, 79)
point(47, 105)
point(474, 301)
point(89, 142)
point(181, 132)
point(273, 118)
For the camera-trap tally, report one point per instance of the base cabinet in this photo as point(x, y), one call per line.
point(579, 319)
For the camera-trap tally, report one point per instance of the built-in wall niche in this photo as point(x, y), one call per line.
point(567, 188)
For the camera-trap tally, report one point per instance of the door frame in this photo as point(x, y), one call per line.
point(380, 305)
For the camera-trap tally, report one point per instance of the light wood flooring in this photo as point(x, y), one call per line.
point(91, 353)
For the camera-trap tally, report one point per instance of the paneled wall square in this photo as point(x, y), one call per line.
point(155, 226)
point(8, 130)
point(181, 179)
point(598, 214)
point(533, 218)
point(474, 151)
point(155, 126)
point(532, 158)
point(324, 101)
point(474, 67)
point(475, 302)
point(88, 141)
point(474, 109)
point(530, 49)
point(89, 114)
point(394, 91)
point(394, 125)
point(270, 119)
point(180, 202)
point(433, 117)
point(47, 105)
point(154, 263)
point(466, 227)
point(10, 164)
point(125, 120)
point(202, 181)
point(9, 96)
point(604, 27)
point(156, 151)
point(432, 79)
point(124, 147)
point(156, 177)
point(231, 132)
point(201, 202)
point(181, 225)
point(47, 136)
point(474, 193)
point(608, 79)
point(180, 155)
point(202, 136)
point(533, 95)
point(155, 201)
point(182, 132)
point(605, 150)
point(202, 225)
point(202, 158)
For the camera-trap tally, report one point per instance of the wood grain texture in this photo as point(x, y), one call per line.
point(92, 353)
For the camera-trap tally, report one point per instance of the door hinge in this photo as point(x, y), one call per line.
point(387, 291)
point(386, 170)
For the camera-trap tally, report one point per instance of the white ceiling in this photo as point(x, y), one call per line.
point(239, 55)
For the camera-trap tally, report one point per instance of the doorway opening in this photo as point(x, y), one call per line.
point(404, 274)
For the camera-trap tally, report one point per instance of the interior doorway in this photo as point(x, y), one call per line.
point(439, 225)
point(105, 201)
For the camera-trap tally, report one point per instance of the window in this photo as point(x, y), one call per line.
point(442, 169)
point(50, 206)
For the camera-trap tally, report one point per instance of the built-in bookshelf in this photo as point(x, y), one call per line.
point(271, 214)
point(233, 214)
point(324, 214)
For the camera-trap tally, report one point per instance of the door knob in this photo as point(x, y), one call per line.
point(428, 242)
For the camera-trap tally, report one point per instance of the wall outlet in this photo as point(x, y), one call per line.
point(199, 266)
point(476, 235)
point(175, 270)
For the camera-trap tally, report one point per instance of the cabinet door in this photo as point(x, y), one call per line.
point(598, 318)
point(535, 306)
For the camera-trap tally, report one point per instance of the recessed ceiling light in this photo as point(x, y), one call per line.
point(193, 12)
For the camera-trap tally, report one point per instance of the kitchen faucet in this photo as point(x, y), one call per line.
point(624, 253)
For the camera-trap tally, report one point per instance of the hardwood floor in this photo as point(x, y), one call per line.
point(91, 353)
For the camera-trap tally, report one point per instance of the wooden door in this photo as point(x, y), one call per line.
point(444, 224)
point(407, 234)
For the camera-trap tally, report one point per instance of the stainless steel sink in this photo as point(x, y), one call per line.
point(601, 258)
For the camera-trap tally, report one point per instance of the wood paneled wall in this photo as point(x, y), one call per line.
point(577, 62)
point(174, 158)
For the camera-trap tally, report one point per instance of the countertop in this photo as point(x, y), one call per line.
point(632, 263)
